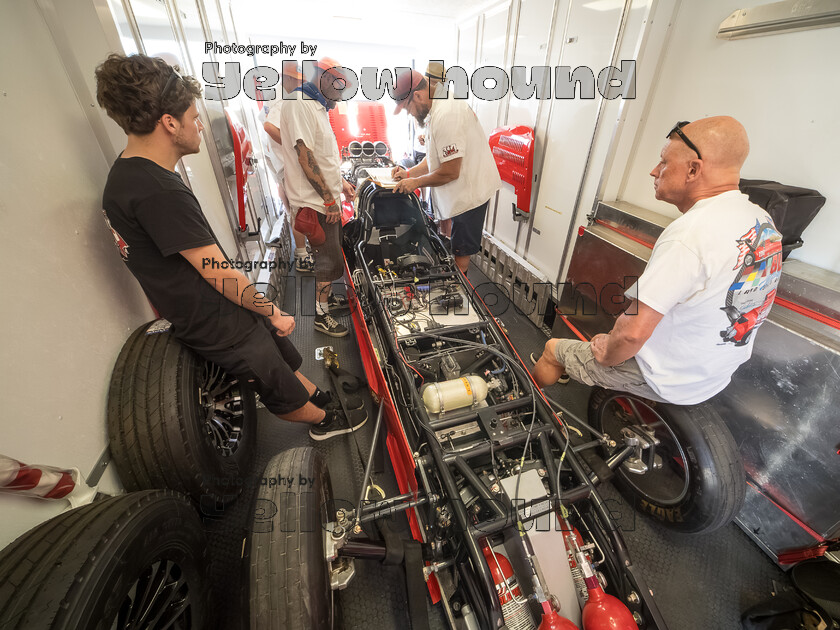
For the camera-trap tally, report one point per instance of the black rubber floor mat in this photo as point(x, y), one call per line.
point(376, 598)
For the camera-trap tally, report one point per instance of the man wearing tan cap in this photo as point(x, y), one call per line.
point(435, 74)
point(291, 80)
point(458, 167)
point(313, 180)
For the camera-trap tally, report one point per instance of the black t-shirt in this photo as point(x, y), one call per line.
point(154, 216)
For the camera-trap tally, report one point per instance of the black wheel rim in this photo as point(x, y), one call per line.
point(665, 486)
point(158, 600)
point(223, 409)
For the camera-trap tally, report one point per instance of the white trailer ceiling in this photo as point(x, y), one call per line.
point(367, 25)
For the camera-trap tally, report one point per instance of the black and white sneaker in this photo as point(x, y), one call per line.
point(328, 325)
point(336, 423)
point(305, 264)
point(328, 400)
point(353, 402)
point(337, 302)
point(562, 380)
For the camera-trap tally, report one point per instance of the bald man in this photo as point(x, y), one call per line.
point(710, 281)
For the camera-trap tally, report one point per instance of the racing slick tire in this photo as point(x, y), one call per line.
point(134, 561)
point(701, 484)
point(177, 421)
point(289, 581)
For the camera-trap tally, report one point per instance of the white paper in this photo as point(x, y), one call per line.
point(382, 176)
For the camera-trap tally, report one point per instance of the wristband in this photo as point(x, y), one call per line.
point(330, 204)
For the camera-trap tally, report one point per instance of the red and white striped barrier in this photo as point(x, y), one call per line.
point(44, 482)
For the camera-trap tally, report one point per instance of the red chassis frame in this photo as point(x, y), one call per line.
point(396, 441)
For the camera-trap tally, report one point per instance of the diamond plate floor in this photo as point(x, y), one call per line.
point(700, 582)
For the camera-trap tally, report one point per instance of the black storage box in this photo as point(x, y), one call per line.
point(791, 208)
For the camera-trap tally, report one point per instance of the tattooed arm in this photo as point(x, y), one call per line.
point(316, 178)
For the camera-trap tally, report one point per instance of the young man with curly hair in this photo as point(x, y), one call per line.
point(167, 243)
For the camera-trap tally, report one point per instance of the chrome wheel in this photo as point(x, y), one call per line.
point(668, 485)
point(159, 599)
point(222, 408)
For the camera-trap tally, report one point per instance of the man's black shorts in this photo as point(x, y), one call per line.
point(270, 362)
point(466, 230)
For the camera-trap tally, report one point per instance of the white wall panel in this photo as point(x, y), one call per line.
point(533, 34)
point(494, 40)
point(783, 88)
point(69, 302)
point(592, 28)
point(532, 39)
point(467, 44)
point(505, 229)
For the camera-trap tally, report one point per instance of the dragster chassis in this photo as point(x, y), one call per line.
point(474, 478)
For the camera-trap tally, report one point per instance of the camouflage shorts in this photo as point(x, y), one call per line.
point(581, 365)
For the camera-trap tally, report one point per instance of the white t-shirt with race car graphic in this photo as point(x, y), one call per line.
point(713, 275)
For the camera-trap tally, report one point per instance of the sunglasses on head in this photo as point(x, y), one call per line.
point(410, 97)
point(406, 100)
point(169, 83)
point(678, 130)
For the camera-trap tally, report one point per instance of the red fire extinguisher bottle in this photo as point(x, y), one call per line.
point(552, 621)
point(514, 605)
point(573, 542)
point(602, 611)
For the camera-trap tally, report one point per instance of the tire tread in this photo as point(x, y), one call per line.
point(281, 574)
point(155, 433)
point(45, 571)
point(726, 467)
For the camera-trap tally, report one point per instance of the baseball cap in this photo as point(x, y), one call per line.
point(328, 63)
point(406, 83)
point(330, 67)
point(290, 70)
point(435, 70)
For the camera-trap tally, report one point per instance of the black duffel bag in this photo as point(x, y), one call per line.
point(791, 208)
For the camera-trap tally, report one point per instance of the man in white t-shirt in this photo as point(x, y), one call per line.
point(458, 166)
point(313, 180)
point(291, 80)
point(709, 284)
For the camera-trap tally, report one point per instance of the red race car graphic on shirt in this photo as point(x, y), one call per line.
point(118, 240)
point(751, 295)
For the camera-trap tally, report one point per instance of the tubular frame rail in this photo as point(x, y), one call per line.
point(546, 432)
